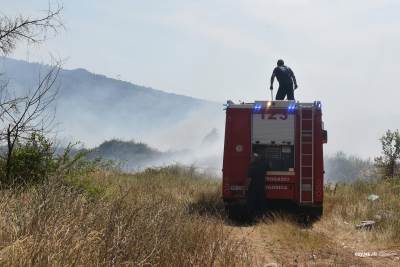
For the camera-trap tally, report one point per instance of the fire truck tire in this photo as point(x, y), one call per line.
point(235, 211)
point(317, 212)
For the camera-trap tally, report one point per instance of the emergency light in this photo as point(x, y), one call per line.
point(257, 107)
point(317, 104)
point(291, 107)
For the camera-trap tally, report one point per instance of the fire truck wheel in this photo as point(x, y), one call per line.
point(316, 212)
point(235, 211)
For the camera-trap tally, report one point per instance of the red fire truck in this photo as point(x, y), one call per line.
point(291, 136)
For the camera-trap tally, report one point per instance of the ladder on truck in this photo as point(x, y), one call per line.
point(306, 155)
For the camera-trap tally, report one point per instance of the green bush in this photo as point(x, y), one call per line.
point(36, 159)
point(31, 161)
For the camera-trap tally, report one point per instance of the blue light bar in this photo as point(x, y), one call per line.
point(291, 107)
point(257, 107)
point(317, 104)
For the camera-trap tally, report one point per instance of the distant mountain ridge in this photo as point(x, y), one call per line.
point(93, 108)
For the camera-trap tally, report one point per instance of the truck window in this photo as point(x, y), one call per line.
point(273, 135)
point(281, 157)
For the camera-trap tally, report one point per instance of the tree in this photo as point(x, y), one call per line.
point(27, 115)
point(33, 30)
point(390, 153)
point(23, 116)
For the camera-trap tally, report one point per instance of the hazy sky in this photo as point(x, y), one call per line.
point(343, 52)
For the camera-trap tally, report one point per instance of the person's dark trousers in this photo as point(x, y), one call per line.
point(255, 202)
point(285, 90)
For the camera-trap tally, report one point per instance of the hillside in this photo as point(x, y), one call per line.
point(93, 108)
point(133, 156)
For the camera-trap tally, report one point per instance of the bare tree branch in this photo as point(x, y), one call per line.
point(23, 116)
point(33, 30)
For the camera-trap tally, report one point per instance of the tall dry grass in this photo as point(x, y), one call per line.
point(175, 217)
point(333, 240)
point(348, 205)
point(160, 217)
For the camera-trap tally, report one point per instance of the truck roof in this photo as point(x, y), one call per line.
point(272, 104)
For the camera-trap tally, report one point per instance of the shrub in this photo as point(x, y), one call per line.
point(35, 160)
point(31, 161)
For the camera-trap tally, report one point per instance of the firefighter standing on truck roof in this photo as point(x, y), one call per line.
point(286, 79)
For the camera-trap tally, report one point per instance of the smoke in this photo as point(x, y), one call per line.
point(93, 108)
point(189, 143)
point(340, 167)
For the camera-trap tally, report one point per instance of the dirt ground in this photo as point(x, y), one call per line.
point(288, 244)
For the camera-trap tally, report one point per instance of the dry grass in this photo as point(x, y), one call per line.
point(158, 217)
point(175, 217)
point(292, 244)
point(348, 205)
point(333, 240)
point(290, 235)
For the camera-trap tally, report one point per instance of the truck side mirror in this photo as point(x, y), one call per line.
point(325, 136)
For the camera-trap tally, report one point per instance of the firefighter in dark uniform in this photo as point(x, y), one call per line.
point(286, 79)
point(256, 189)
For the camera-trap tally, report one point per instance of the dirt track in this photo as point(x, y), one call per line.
point(273, 244)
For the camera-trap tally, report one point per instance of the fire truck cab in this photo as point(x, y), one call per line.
point(291, 136)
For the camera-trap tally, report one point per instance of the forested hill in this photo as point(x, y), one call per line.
point(133, 156)
point(93, 108)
